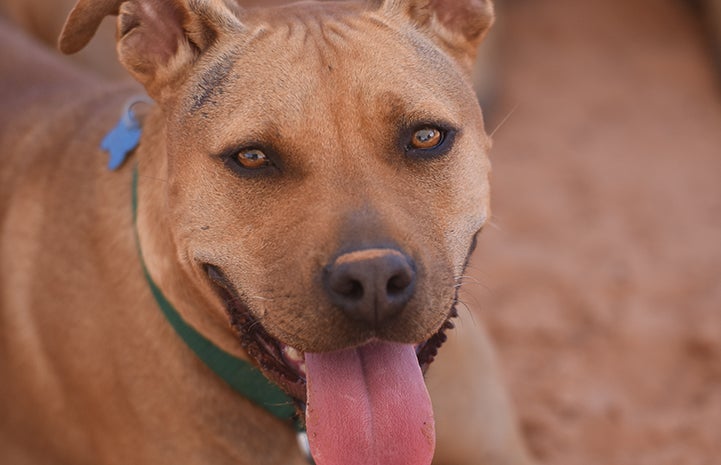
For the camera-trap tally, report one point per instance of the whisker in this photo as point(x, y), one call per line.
point(495, 225)
point(229, 302)
point(503, 122)
point(475, 285)
point(465, 307)
point(253, 324)
point(470, 312)
point(472, 266)
point(152, 178)
point(467, 279)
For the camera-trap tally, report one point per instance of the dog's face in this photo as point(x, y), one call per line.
point(327, 168)
point(343, 137)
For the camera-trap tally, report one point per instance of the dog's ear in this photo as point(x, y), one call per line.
point(157, 39)
point(83, 23)
point(458, 26)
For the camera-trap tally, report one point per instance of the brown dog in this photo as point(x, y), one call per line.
point(314, 175)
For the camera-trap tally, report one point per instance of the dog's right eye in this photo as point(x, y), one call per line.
point(427, 138)
point(247, 161)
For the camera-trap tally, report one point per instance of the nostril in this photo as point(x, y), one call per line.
point(351, 289)
point(399, 283)
point(344, 283)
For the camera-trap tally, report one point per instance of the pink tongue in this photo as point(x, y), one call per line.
point(369, 406)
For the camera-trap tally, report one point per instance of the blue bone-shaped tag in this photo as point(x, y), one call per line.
point(124, 137)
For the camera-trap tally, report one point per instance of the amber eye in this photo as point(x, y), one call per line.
point(252, 159)
point(427, 138)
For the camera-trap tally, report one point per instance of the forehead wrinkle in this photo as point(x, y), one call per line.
point(324, 39)
point(220, 72)
point(212, 83)
point(343, 77)
point(298, 70)
point(311, 27)
point(305, 52)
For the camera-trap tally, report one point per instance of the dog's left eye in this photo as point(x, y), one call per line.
point(428, 141)
point(252, 159)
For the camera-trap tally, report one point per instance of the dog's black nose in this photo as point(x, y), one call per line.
point(371, 285)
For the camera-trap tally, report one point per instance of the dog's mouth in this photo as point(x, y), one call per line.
point(286, 365)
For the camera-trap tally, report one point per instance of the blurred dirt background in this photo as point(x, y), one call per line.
point(600, 279)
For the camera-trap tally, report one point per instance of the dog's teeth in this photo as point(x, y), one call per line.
point(295, 359)
point(293, 355)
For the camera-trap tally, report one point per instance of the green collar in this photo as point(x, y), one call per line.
point(239, 374)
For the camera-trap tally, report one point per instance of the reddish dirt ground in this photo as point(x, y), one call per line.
point(601, 280)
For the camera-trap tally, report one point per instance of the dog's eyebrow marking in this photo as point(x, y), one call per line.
point(212, 83)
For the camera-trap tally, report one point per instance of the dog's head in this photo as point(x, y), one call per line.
point(326, 162)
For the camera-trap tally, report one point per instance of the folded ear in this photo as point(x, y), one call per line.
point(157, 39)
point(458, 26)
